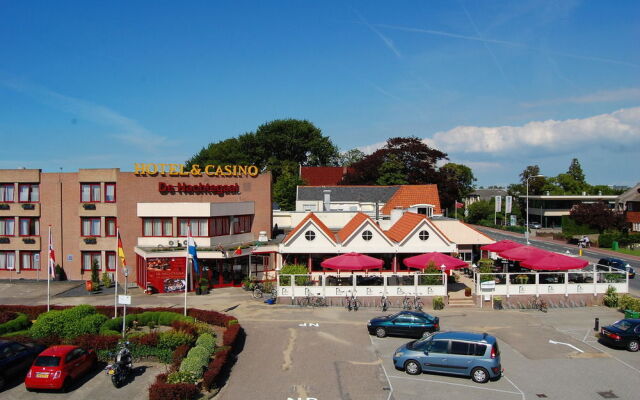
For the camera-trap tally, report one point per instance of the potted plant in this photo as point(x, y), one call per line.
point(59, 273)
point(438, 303)
point(497, 303)
point(106, 280)
point(467, 292)
point(245, 283)
point(204, 285)
point(95, 276)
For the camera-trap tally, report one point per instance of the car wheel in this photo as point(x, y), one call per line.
point(426, 333)
point(479, 375)
point(2, 382)
point(633, 345)
point(412, 367)
point(66, 386)
point(380, 332)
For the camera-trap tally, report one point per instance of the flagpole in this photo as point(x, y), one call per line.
point(115, 295)
point(49, 272)
point(186, 282)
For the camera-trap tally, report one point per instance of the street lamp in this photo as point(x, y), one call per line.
point(526, 232)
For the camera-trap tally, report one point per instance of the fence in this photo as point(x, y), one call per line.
point(363, 285)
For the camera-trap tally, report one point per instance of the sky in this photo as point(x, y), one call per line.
point(497, 85)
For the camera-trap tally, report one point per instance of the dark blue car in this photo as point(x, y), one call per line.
point(16, 359)
point(404, 323)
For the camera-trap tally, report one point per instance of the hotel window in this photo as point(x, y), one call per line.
point(7, 227)
point(111, 260)
point(110, 226)
point(6, 192)
point(7, 260)
point(220, 226)
point(29, 260)
point(88, 258)
point(157, 227)
point(29, 227)
point(242, 224)
point(110, 192)
point(199, 226)
point(28, 193)
point(91, 226)
point(90, 192)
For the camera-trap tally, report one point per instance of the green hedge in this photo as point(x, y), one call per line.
point(571, 228)
point(294, 269)
point(173, 339)
point(19, 323)
point(517, 229)
point(144, 319)
point(197, 359)
point(607, 239)
point(627, 302)
point(207, 341)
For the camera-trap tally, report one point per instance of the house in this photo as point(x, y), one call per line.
point(629, 203)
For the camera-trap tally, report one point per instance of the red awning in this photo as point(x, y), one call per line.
point(554, 262)
point(501, 246)
point(522, 253)
point(423, 260)
point(352, 262)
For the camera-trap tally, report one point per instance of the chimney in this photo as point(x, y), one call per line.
point(377, 210)
point(326, 196)
point(396, 214)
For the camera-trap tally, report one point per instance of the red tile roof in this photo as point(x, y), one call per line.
point(316, 220)
point(322, 176)
point(409, 195)
point(351, 226)
point(404, 226)
point(633, 216)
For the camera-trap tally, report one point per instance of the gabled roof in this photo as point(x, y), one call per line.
point(409, 195)
point(348, 193)
point(311, 216)
point(407, 223)
point(461, 233)
point(351, 226)
point(322, 176)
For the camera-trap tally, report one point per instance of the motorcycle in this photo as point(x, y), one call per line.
point(122, 367)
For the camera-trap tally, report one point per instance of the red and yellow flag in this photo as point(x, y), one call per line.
point(121, 251)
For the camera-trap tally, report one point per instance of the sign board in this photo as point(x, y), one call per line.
point(488, 285)
point(513, 220)
point(498, 203)
point(36, 257)
point(69, 257)
point(508, 200)
point(122, 299)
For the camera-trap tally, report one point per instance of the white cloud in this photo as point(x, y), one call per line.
point(619, 128)
point(604, 96)
point(369, 149)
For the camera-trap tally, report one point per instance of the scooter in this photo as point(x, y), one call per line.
point(122, 367)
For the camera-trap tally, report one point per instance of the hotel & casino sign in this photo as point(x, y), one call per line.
point(163, 169)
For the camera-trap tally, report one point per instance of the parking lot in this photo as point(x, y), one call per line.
point(328, 354)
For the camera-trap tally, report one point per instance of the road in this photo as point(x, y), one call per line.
point(592, 255)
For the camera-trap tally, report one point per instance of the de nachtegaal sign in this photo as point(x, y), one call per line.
point(164, 169)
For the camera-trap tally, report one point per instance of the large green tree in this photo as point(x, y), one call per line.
point(461, 176)
point(391, 172)
point(284, 189)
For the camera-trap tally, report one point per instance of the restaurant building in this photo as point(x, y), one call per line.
point(227, 208)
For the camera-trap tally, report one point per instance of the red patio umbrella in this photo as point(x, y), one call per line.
point(554, 262)
point(423, 260)
point(523, 253)
point(352, 262)
point(501, 246)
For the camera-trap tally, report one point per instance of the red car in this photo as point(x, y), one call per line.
point(58, 366)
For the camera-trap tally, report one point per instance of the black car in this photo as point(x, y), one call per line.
point(404, 323)
point(624, 333)
point(16, 359)
point(616, 264)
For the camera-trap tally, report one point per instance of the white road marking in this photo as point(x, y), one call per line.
point(586, 335)
point(456, 384)
point(566, 344)
point(606, 352)
point(514, 385)
point(385, 372)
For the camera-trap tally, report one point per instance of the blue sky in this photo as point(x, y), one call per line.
point(498, 85)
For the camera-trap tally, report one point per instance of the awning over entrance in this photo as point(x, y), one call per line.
point(501, 246)
point(352, 262)
point(423, 260)
point(554, 262)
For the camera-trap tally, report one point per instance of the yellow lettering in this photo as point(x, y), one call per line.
point(139, 169)
point(152, 169)
point(242, 170)
point(195, 170)
point(207, 170)
point(227, 169)
point(173, 169)
point(219, 171)
point(234, 170)
point(182, 173)
point(252, 170)
point(162, 169)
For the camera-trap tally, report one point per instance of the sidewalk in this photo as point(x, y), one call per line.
point(604, 252)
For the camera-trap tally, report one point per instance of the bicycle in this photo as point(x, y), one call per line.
point(384, 303)
point(418, 304)
point(257, 292)
point(304, 301)
point(406, 303)
point(355, 303)
point(538, 303)
point(347, 302)
point(319, 302)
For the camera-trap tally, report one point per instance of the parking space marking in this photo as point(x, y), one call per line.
point(458, 384)
point(383, 368)
point(514, 385)
point(606, 352)
point(566, 344)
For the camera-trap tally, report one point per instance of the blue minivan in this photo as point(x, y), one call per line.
point(460, 353)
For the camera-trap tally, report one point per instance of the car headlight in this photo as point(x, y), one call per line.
point(369, 323)
point(398, 354)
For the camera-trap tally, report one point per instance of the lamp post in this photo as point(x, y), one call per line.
point(526, 232)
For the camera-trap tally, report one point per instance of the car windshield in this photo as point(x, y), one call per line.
point(622, 325)
point(47, 361)
point(423, 341)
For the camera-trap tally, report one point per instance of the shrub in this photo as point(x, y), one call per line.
point(150, 339)
point(87, 325)
point(97, 342)
point(186, 327)
point(162, 354)
point(20, 322)
point(173, 339)
point(49, 324)
point(181, 377)
point(106, 280)
point(230, 335)
point(202, 327)
point(177, 391)
point(6, 316)
point(207, 341)
point(210, 317)
point(438, 303)
point(200, 353)
point(610, 299)
point(179, 354)
point(214, 369)
point(294, 269)
point(628, 302)
point(193, 365)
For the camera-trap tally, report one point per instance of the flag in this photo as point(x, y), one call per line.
point(459, 205)
point(52, 256)
point(191, 250)
point(123, 262)
point(238, 251)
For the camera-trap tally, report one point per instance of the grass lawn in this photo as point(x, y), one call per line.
point(635, 252)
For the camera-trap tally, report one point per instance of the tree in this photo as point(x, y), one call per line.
point(284, 189)
point(575, 171)
point(535, 184)
point(479, 211)
point(350, 157)
point(598, 216)
point(462, 176)
point(391, 172)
